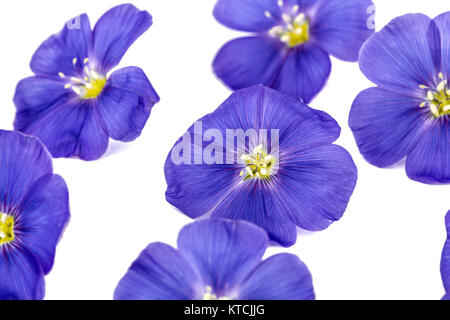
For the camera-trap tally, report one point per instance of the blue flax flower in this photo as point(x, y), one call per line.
point(293, 177)
point(216, 260)
point(293, 41)
point(408, 114)
point(34, 210)
point(71, 103)
point(445, 262)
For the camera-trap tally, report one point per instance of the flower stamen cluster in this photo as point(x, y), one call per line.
point(259, 164)
point(6, 229)
point(438, 99)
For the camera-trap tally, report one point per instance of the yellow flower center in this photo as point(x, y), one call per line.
point(294, 31)
point(438, 100)
point(89, 86)
point(6, 228)
point(258, 165)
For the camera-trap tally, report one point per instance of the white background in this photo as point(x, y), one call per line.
point(387, 246)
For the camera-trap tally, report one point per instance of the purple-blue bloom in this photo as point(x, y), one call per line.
point(445, 262)
point(303, 181)
point(408, 114)
point(71, 103)
point(216, 260)
point(34, 210)
point(292, 42)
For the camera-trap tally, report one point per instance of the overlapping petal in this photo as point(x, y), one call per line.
point(43, 216)
point(23, 161)
point(280, 277)
point(126, 103)
point(304, 72)
point(386, 125)
point(315, 185)
point(429, 160)
point(399, 56)
point(160, 273)
point(115, 32)
point(58, 52)
point(443, 24)
point(223, 252)
point(245, 62)
point(247, 15)
point(21, 276)
point(340, 27)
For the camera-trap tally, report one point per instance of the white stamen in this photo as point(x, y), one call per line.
point(74, 61)
point(442, 86)
point(286, 18)
point(3, 218)
point(434, 109)
point(2, 235)
point(61, 75)
point(430, 95)
point(268, 14)
point(295, 8)
point(86, 61)
point(446, 108)
point(280, 3)
point(300, 18)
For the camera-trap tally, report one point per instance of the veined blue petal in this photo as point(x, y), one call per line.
point(443, 24)
point(21, 277)
point(58, 52)
point(247, 15)
point(224, 252)
point(399, 56)
point(280, 277)
point(160, 273)
point(249, 61)
point(445, 261)
point(125, 103)
point(315, 185)
point(304, 72)
point(35, 96)
point(115, 32)
point(261, 204)
point(42, 217)
point(429, 160)
point(23, 161)
point(340, 26)
point(386, 125)
point(69, 128)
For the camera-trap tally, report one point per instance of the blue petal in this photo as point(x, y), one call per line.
point(280, 277)
point(35, 96)
point(443, 24)
point(304, 72)
point(445, 262)
point(247, 15)
point(125, 104)
point(341, 26)
point(399, 56)
point(263, 205)
point(68, 128)
point(224, 252)
point(42, 218)
point(115, 32)
point(429, 161)
point(56, 54)
point(386, 125)
point(23, 161)
point(245, 62)
point(160, 273)
point(315, 185)
point(21, 277)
